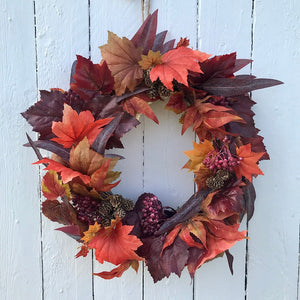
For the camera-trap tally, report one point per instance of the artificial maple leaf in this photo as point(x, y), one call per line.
point(138, 104)
point(90, 79)
point(114, 244)
point(86, 164)
point(74, 127)
point(184, 42)
point(60, 212)
point(122, 58)
point(150, 60)
point(208, 119)
point(91, 233)
point(118, 271)
point(175, 65)
point(84, 250)
point(201, 177)
point(248, 165)
point(41, 115)
point(67, 174)
point(53, 187)
point(197, 155)
point(177, 103)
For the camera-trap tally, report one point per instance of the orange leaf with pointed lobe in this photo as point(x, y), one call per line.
point(118, 271)
point(52, 187)
point(91, 233)
point(122, 58)
point(175, 65)
point(248, 165)
point(74, 127)
point(114, 244)
point(138, 104)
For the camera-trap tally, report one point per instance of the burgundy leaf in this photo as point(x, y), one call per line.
point(72, 231)
point(249, 199)
point(50, 146)
point(59, 212)
point(41, 115)
point(159, 41)
point(34, 147)
point(145, 36)
point(91, 79)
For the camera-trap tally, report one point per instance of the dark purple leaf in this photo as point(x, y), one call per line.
point(249, 199)
point(145, 36)
point(73, 68)
point(51, 146)
point(229, 257)
point(167, 46)
point(236, 86)
point(159, 41)
point(185, 212)
point(101, 140)
point(35, 149)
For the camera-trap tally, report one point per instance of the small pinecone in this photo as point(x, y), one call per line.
point(115, 200)
point(163, 91)
point(119, 212)
point(147, 79)
point(127, 204)
point(105, 209)
point(153, 92)
point(106, 222)
point(152, 213)
point(217, 181)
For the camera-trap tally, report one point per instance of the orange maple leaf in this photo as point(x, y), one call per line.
point(138, 104)
point(91, 233)
point(208, 119)
point(118, 271)
point(197, 155)
point(175, 65)
point(150, 60)
point(74, 127)
point(248, 165)
point(122, 58)
point(53, 187)
point(114, 244)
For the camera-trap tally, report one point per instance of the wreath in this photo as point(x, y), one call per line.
point(102, 105)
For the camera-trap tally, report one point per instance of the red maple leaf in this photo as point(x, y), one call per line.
point(208, 119)
point(139, 104)
point(248, 165)
point(114, 244)
point(175, 65)
point(74, 127)
point(91, 79)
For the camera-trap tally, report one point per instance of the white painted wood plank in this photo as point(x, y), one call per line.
point(123, 18)
point(164, 147)
point(273, 248)
point(19, 206)
point(62, 32)
point(224, 27)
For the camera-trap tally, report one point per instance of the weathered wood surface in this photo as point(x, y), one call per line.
point(38, 43)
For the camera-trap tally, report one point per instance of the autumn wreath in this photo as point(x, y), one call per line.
point(102, 105)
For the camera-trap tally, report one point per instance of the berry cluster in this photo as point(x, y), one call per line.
point(221, 160)
point(152, 213)
point(87, 209)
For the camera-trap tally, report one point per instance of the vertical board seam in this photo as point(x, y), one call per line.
point(247, 224)
point(89, 25)
point(39, 172)
point(298, 263)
